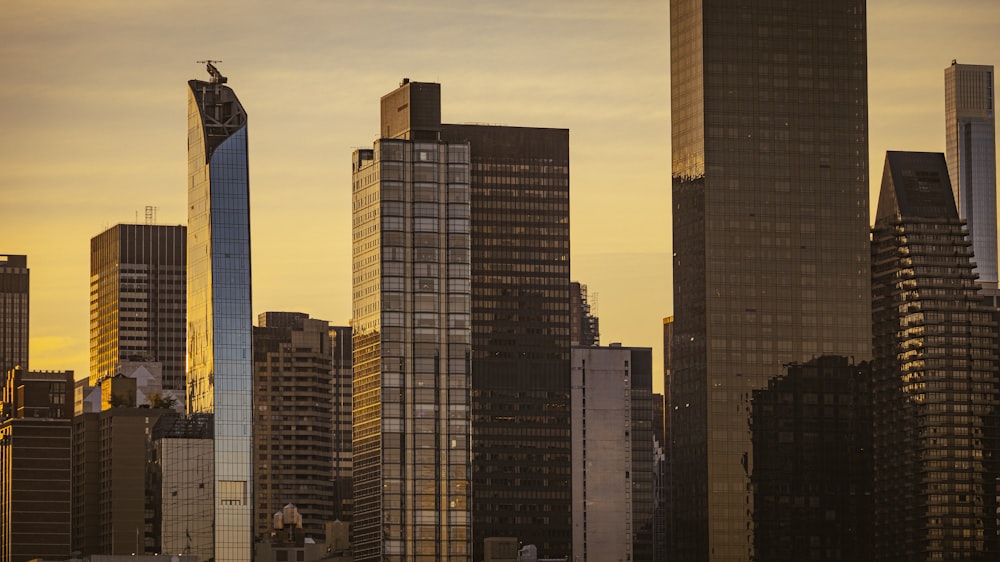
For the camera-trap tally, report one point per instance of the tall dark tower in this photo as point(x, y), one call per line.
point(935, 374)
point(521, 464)
point(13, 313)
point(770, 233)
point(220, 361)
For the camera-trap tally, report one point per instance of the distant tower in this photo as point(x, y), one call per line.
point(935, 376)
point(13, 313)
point(138, 295)
point(220, 362)
point(583, 324)
point(971, 144)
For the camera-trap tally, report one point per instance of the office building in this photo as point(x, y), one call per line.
point(294, 421)
point(613, 478)
point(138, 296)
point(520, 335)
point(935, 374)
point(971, 153)
point(812, 471)
point(412, 336)
point(35, 475)
point(14, 277)
point(219, 358)
point(769, 127)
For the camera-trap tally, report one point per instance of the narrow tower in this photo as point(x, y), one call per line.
point(220, 361)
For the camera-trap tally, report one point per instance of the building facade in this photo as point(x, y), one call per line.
point(970, 142)
point(14, 278)
point(770, 233)
point(343, 467)
point(35, 475)
point(584, 326)
point(520, 334)
point(219, 358)
point(812, 474)
point(935, 375)
point(294, 421)
point(412, 337)
point(138, 296)
point(613, 473)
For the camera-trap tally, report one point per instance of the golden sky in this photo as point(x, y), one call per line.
point(93, 127)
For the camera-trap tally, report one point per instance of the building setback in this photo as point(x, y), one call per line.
point(935, 374)
point(219, 359)
point(138, 296)
point(613, 477)
point(971, 153)
point(35, 474)
point(520, 334)
point(294, 420)
point(14, 278)
point(769, 120)
point(412, 336)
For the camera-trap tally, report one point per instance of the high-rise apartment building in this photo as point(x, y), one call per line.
point(294, 421)
point(343, 388)
point(770, 233)
point(935, 374)
point(613, 477)
point(219, 358)
point(971, 153)
point(138, 297)
point(412, 336)
point(35, 477)
point(14, 276)
point(520, 335)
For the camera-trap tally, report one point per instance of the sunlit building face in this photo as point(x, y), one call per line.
point(219, 370)
point(770, 232)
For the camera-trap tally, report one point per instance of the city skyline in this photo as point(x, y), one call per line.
point(75, 128)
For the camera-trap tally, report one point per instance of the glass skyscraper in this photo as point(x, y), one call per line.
point(770, 233)
point(412, 337)
point(219, 376)
point(971, 144)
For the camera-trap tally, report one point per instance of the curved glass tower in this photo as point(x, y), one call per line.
point(219, 319)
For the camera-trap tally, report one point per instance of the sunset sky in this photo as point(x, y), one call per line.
point(93, 127)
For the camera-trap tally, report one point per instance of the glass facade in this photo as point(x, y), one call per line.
point(770, 233)
point(138, 296)
point(520, 335)
point(412, 342)
point(935, 375)
point(971, 150)
point(219, 377)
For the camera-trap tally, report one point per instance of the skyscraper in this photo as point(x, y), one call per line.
point(412, 336)
point(138, 296)
point(971, 144)
point(613, 478)
point(219, 376)
point(13, 313)
point(293, 449)
point(770, 233)
point(936, 406)
point(520, 335)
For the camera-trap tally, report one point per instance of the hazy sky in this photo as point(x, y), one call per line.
point(93, 127)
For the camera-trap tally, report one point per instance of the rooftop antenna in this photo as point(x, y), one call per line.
point(150, 214)
point(217, 77)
